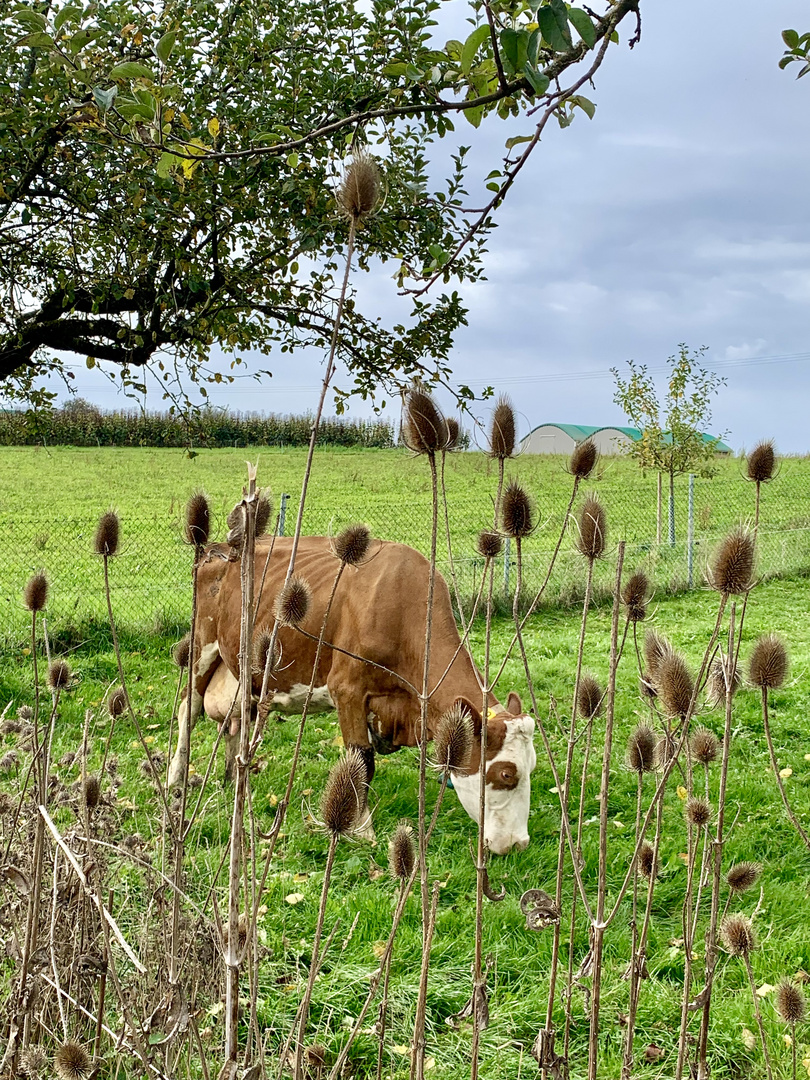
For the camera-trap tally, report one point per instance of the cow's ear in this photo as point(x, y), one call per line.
point(514, 705)
point(467, 706)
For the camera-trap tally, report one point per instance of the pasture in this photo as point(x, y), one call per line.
point(130, 854)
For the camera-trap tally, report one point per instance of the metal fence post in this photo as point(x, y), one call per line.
point(506, 566)
point(282, 513)
point(690, 540)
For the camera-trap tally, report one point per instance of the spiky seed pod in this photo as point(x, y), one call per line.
point(424, 429)
point(91, 792)
point(241, 932)
point(25, 713)
point(117, 702)
point(502, 432)
point(489, 544)
point(762, 462)
point(351, 545)
point(72, 1062)
point(733, 568)
point(261, 646)
point(583, 459)
point(107, 534)
point(592, 535)
point(111, 765)
point(737, 935)
point(665, 750)
point(401, 852)
point(453, 433)
point(743, 877)
point(452, 743)
point(7, 804)
point(790, 1002)
point(675, 685)
point(35, 594)
point(358, 194)
point(516, 511)
point(293, 602)
point(656, 647)
point(198, 519)
point(647, 862)
point(264, 511)
point(58, 675)
point(182, 652)
point(10, 727)
point(315, 1058)
point(646, 688)
point(641, 750)
point(344, 794)
point(720, 673)
point(8, 761)
point(698, 812)
point(635, 596)
point(589, 697)
point(32, 1062)
point(705, 746)
point(768, 666)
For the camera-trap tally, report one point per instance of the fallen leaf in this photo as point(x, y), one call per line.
point(788, 1040)
point(785, 773)
point(683, 856)
point(807, 757)
point(430, 1063)
point(400, 1048)
point(298, 878)
point(749, 1039)
point(337, 741)
point(294, 897)
point(149, 739)
point(682, 792)
point(806, 1064)
point(765, 989)
point(152, 727)
point(618, 824)
point(307, 791)
point(378, 948)
point(553, 790)
point(273, 800)
point(375, 873)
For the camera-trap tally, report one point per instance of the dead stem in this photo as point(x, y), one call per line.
point(777, 776)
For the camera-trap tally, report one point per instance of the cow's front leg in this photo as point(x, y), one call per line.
point(204, 664)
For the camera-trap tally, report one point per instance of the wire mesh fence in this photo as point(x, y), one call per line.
point(151, 583)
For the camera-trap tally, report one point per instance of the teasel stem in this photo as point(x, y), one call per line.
point(383, 1015)
point(599, 927)
point(711, 934)
point(232, 957)
point(565, 802)
point(627, 1062)
point(418, 1056)
point(758, 1013)
point(775, 767)
point(689, 919)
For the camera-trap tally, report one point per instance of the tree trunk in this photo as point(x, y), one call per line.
point(672, 509)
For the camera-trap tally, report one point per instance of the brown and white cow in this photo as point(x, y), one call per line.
point(378, 613)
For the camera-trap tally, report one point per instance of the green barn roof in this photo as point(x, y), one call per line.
point(578, 432)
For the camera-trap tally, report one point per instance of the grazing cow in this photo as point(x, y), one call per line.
point(378, 615)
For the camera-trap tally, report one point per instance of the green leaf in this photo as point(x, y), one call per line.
point(550, 29)
point(581, 21)
point(131, 70)
point(538, 80)
point(515, 46)
point(36, 41)
point(396, 70)
point(163, 49)
point(67, 14)
point(516, 140)
point(790, 38)
point(584, 103)
point(165, 164)
point(534, 45)
point(32, 20)
point(473, 116)
point(471, 47)
point(104, 98)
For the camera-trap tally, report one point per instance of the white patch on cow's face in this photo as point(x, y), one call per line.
point(292, 700)
point(506, 812)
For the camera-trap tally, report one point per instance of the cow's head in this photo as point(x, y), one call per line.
point(510, 761)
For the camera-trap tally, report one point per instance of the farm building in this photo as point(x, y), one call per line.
point(562, 438)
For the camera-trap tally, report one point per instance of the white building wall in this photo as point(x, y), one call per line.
point(547, 439)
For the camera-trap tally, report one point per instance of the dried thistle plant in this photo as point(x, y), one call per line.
point(107, 535)
point(344, 795)
point(35, 594)
point(743, 877)
point(762, 462)
point(722, 674)
point(675, 685)
point(117, 702)
point(293, 602)
point(91, 792)
point(402, 852)
point(453, 741)
point(72, 1062)
point(58, 675)
point(198, 520)
point(424, 428)
point(647, 862)
point(635, 596)
point(352, 543)
point(656, 647)
point(489, 544)
point(768, 665)
point(589, 697)
point(640, 753)
point(516, 511)
point(182, 652)
point(503, 429)
point(737, 935)
point(583, 459)
point(791, 1006)
point(591, 538)
point(732, 570)
point(359, 191)
point(33, 1062)
point(704, 745)
point(453, 433)
point(698, 812)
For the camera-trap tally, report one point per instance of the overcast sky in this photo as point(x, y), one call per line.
point(678, 214)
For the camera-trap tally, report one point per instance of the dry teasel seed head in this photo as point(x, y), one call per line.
point(737, 935)
point(241, 932)
point(35, 594)
point(9, 761)
point(264, 511)
point(516, 511)
point(647, 862)
point(733, 568)
point(262, 640)
point(453, 433)
point(641, 750)
point(117, 702)
point(665, 749)
point(720, 675)
point(401, 852)
point(698, 811)
point(675, 685)
point(635, 596)
point(7, 804)
point(91, 792)
point(589, 697)
point(452, 743)
point(656, 647)
point(583, 459)
point(293, 602)
point(790, 1002)
point(106, 539)
point(344, 794)
point(358, 193)
point(743, 877)
point(25, 713)
point(351, 544)
point(198, 519)
point(315, 1059)
point(489, 544)
point(72, 1062)
point(58, 675)
point(502, 432)
point(424, 429)
point(762, 462)
point(705, 746)
point(182, 652)
point(33, 1061)
point(768, 666)
point(592, 536)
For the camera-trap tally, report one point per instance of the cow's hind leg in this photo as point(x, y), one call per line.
point(189, 711)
